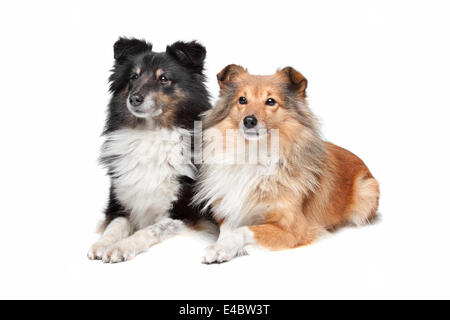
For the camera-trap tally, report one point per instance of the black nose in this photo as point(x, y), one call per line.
point(250, 122)
point(136, 99)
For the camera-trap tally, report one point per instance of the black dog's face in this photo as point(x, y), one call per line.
point(157, 86)
point(155, 83)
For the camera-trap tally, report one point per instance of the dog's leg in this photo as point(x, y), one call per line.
point(231, 243)
point(143, 239)
point(117, 229)
point(274, 236)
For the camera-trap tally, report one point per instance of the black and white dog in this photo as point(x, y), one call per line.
point(156, 97)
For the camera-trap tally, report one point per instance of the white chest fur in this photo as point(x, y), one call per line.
point(228, 190)
point(145, 165)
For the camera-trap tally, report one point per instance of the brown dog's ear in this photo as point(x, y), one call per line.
point(228, 74)
point(297, 81)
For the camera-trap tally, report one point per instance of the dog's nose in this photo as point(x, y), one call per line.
point(250, 122)
point(136, 99)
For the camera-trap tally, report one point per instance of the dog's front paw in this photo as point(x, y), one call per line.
point(217, 254)
point(97, 250)
point(119, 252)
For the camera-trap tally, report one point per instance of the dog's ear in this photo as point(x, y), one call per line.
point(189, 54)
point(228, 74)
point(125, 47)
point(296, 80)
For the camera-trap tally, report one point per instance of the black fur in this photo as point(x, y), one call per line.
point(183, 63)
point(190, 54)
point(182, 209)
point(114, 209)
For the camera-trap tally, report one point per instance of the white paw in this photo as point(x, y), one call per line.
point(97, 250)
point(217, 254)
point(119, 252)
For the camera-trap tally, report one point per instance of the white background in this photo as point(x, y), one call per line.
point(379, 79)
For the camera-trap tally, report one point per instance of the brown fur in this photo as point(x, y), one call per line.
point(168, 101)
point(318, 185)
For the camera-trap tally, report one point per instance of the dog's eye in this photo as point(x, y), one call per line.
point(134, 76)
point(242, 100)
point(163, 79)
point(270, 102)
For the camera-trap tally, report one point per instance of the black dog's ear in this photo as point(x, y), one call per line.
point(124, 47)
point(189, 54)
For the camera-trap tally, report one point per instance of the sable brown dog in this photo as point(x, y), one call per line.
point(305, 185)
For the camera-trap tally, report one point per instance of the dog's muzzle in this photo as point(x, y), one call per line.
point(143, 107)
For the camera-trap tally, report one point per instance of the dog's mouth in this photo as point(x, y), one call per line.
point(254, 133)
point(148, 109)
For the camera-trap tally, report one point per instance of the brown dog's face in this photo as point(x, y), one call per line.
point(255, 105)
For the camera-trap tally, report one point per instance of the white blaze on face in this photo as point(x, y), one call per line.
point(148, 109)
